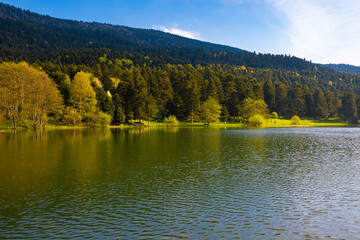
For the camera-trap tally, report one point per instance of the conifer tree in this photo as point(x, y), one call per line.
point(269, 95)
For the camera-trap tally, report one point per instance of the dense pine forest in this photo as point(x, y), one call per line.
point(68, 72)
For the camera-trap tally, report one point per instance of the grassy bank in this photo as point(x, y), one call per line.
point(330, 122)
point(269, 123)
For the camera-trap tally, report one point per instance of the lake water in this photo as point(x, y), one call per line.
point(197, 183)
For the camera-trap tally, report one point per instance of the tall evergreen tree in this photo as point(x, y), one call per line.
point(258, 91)
point(281, 99)
point(231, 96)
point(309, 102)
point(296, 100)
point(269, 95)
point(192, 96)
point(162, 91)
point(321, 108)
point(349, 108)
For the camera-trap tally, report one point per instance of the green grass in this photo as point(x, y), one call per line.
point(330, 122)
point(270, 123)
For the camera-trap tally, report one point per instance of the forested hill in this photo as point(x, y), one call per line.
point(345, 68)
point(89, 35)
point(33, 37)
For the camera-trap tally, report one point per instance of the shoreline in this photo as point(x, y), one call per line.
point(270, 123)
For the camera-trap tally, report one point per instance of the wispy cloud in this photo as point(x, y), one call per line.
point(322, 30)
point(178, 31)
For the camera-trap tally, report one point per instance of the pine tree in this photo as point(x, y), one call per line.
point(348, 107)
point(281, 99)
point(321, 108)
point(269, 95)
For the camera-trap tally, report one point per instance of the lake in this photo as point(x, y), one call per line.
point(166, 183)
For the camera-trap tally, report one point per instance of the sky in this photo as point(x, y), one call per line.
point(323, 31)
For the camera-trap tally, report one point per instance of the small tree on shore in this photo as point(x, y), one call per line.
point(71, 116)
point(171, 121)
point(250, 107)
point(82, 94)
point(295, 120)
point(257, 120)
point(210, 111)
point(27, 93)
point(274, 115)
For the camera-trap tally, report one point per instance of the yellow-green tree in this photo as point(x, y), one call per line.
point(27, 93)
point(250, 107)
point(82, 94)
point(71, 116)
point(13, 88)
point(210, 111)
point(44, 97)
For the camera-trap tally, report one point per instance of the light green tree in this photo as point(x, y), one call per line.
point(82, 94)
point(210, 111)
point(295, 120)
point(27, 93)
point(151, 109)
point(257, 120)
point(71, 116)
point(274, 115)
point(171, 121)
point(250, 107)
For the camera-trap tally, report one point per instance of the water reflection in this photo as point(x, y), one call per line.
point(180, 183)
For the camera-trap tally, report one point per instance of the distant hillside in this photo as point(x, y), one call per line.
point(345, 68)
point(76, 34)
point(34, 37)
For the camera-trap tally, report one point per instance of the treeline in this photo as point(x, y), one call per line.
point(119, 92)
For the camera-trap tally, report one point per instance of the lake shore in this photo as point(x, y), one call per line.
point(269, 123)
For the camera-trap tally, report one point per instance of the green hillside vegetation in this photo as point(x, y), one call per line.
point(126, 92)
point(346, 68)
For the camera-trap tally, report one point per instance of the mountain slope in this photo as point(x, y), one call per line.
point(34, 37)
point(345, 68)
point(90, 35)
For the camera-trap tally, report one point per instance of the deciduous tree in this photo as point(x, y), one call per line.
point(250, 107)
point(26, 92)
point(82, 94)
point(210, 111)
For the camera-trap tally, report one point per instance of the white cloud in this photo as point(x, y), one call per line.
point(325, 31)
point(180, 32)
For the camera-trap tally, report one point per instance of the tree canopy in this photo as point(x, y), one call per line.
point(26, 92)
point(210, 111)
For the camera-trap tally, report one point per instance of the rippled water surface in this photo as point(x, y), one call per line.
point(196, 183)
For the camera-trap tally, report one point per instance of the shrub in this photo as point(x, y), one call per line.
point(105, 119)
point(274, 115)
point(210, 111)
point(71, 117)
point(27, 123)
point(92, 119)
point(171, 121)
point(2, 119)
point(295, 120)
point(256, 120)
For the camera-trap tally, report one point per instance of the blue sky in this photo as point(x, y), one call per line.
point(323, 31)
